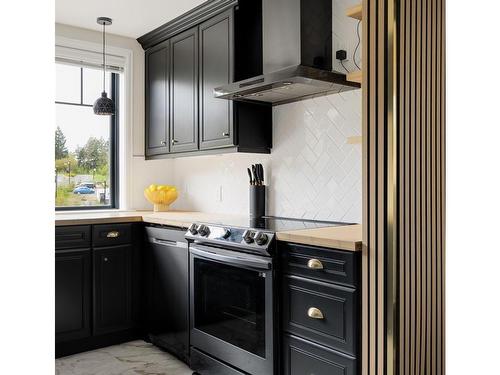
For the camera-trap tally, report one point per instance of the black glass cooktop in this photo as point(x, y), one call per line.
point(280, 224)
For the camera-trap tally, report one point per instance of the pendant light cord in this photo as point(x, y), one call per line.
point(104, 56)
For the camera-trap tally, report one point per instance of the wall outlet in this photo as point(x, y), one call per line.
point(218, 197)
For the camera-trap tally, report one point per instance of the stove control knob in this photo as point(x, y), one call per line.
point(260, 238)
point(248, 236)
point(193, 229)
point(203, 230)
point(226, 233)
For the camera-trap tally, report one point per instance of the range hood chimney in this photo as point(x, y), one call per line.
point(297, 55)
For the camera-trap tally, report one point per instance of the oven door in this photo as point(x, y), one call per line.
point(232, 308)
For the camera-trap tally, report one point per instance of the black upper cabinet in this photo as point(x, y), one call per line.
point(216, 69)
point(112, 289)
point(72, 293)
point(186, 59)
point(157, 98)
point(184, 91)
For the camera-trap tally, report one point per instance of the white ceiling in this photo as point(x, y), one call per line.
point(131, 18)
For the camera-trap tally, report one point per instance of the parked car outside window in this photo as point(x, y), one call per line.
point(83, 190)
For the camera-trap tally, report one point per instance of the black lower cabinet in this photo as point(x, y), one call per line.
point(97, 288)
point(320, 314)
point(72, 293)
point(112, 289)
point(167, 290)
point(303, 357)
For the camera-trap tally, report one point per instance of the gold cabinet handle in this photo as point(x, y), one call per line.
point(113, 234)
point(315, 264)
point(315, 313)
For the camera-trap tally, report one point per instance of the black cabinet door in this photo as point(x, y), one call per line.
point(112, 288)
point(167, 291)
point(184, 91)
point(216, 69)
point(72, 294)
point(157, 99)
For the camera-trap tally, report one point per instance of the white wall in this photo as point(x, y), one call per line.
point(138, 173)
point(344, 34)
point(312, 172)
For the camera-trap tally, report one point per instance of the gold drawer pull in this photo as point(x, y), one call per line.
point(315, 264)
point(314, 313)
point(113, 234)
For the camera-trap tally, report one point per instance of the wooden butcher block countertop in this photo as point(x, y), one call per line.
point(348, 237)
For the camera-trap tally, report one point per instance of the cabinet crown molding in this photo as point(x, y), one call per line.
point(185, 21)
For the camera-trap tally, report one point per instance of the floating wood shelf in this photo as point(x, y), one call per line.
point(356, 76)
point(355, 140)
point(355, 12)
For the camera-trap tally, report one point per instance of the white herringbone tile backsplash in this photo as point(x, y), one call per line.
point(312, 172)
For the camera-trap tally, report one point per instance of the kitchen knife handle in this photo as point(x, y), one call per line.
point(250, 176)
point(261, 173)
point(255, 175)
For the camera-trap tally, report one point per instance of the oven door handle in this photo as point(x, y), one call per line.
point(256, 264)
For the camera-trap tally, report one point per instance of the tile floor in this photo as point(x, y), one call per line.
point(131, 358)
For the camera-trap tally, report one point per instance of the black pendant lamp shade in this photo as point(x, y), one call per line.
point(104, 105)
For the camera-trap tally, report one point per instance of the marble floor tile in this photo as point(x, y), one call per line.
point(131, 358)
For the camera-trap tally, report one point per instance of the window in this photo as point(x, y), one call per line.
point(86, 148)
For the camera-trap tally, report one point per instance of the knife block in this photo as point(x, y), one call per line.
point(257, 201)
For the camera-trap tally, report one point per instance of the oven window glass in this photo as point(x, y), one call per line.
point(229, 304)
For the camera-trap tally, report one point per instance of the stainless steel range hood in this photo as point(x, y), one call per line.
point(286, 85)
point(297, 55)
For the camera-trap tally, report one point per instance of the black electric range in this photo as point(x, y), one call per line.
point(233, 295)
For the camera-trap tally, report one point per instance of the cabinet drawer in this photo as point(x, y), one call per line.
point(111, 234)
point(319, 263)
point(322, 312)
point(302, 357)
point(74, 236)
point(203, 364)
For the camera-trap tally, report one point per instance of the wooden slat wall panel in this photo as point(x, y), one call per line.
point(373, 303)
point(404, 185)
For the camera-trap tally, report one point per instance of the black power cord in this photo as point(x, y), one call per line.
point(343, 66)
point(357, 46)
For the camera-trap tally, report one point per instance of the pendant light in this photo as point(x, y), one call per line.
point(104, 105)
